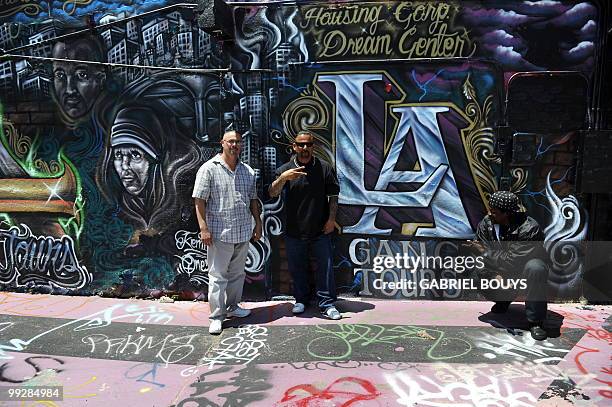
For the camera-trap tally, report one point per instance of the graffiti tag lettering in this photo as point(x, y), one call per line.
point(344, 336)
point(96, 320)
point(27, 258)
point(520, 348)
point(243, 348)
point(334, 393)
point(438, 188)
point(193, 259)
point(491, 391)
point(172, 349)
point(409, 29)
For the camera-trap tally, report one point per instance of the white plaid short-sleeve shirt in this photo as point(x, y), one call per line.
point(228, 196)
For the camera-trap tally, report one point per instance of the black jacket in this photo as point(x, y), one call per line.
point(519, 242)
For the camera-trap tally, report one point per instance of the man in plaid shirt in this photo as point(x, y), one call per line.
point(225, 199)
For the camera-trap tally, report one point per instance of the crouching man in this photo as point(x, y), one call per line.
point(511, 244)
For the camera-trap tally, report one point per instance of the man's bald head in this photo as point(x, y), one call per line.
point(231, 144)
point(231, 134)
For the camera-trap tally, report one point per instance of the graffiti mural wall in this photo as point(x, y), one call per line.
point(99, 160)
point(108, 110)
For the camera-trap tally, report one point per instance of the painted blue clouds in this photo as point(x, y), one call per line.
point(506, 31)
point(74, 11)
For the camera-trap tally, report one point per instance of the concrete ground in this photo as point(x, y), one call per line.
point(111, 352)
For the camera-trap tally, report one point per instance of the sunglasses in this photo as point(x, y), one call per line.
point(302, 145)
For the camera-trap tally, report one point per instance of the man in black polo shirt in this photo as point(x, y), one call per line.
point(311, 192)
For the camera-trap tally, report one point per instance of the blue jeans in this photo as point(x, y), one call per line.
point(298, 261)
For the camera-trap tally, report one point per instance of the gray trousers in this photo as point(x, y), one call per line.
point(225, 276)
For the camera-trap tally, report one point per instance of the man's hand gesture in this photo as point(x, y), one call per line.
point(293, 173)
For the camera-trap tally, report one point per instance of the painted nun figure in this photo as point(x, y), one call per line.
point(142, 169)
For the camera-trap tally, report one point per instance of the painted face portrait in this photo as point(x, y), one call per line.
point(132, 167)
point(146, 166)
point(76, 86)
point(135, 142)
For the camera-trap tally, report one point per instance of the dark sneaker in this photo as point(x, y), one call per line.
point(537, 332)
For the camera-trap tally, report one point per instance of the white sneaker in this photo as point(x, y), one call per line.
point(332, 313)
point(298, 308)
point(216, 326)
point(239, 312)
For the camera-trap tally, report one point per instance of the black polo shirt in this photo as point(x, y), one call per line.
point(306, 203)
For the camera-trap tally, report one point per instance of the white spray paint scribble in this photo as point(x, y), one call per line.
point(171, 348)
point(241, 348)
point(520, 347)
point(100, 319)
point(488, 391)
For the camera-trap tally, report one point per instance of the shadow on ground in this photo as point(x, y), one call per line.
point(273, 312)
point(514, 319)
